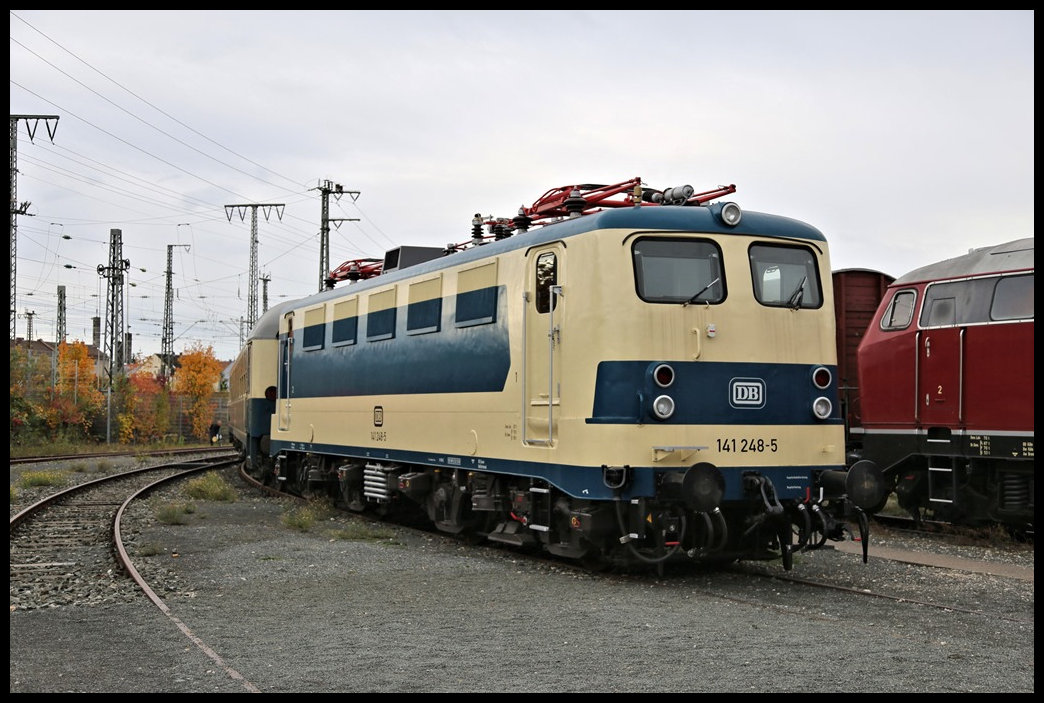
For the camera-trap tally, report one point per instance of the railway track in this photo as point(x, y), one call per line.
point(178, 451)
point(66, 548)
point(980, 533)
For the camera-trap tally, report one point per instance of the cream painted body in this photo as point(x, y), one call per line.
point(598, 317)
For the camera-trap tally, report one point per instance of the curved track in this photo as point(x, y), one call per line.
point(67, 544)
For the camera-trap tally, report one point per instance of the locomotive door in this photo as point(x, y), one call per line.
point(541, 361)
point(286, 355)
point(940, 359)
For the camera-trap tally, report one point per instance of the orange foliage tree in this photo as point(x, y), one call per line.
point(146, 411)
point(76, 400)
point(199, 374)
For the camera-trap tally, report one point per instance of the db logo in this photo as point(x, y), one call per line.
point(747, 393)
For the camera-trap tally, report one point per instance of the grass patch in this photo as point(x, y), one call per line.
point(174, 513)
point(300, 518)
point(67, 447)
point(357, 531)
point(304, 517)
point(30, 479)
point(14, 493)
point(52, 448)
point(151, 550)
point(211, 486)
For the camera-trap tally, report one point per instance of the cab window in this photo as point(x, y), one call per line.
point(678, 270)
point(546, 277)
point(900, 311)
point(785, 276)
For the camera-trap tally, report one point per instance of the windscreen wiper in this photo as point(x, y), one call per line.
point(794, 301)
point(701, 291)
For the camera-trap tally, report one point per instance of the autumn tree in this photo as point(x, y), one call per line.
point(76, 400)
point(146, 413)
point(199, 374)
point(30, 374)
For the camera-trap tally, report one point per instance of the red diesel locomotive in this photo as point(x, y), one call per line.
point(944, 400)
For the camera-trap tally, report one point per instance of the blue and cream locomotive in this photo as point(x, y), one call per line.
point(620, 374)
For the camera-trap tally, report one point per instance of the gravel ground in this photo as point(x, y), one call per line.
point(253, 605)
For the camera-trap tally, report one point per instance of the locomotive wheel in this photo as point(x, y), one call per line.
point(353, 498)
point(384, 510)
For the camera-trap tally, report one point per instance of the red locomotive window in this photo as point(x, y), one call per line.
point(900, 311)
point(941, 311)
point(964, 302)
point(1013, 298)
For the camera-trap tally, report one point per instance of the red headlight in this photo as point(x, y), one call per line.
point(663, 375)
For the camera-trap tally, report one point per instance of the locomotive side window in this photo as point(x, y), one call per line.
point(678, 271)
point(477, 295)
point(1013, 298)
point(546, 276)
point(785, 276)
point(380, 319)
point(900, 311)
point(346, 322)
point(940, 312)
point(314, 329)
point(424, 312)
point(957, 302)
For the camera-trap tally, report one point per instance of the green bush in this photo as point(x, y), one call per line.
point(29, 479)
point(303, 517)
point(211, 486)
point(361, 532)
point(174, 513)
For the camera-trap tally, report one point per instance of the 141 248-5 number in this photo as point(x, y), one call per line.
point(731, 444)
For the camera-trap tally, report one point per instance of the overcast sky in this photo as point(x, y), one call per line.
point(904, 136)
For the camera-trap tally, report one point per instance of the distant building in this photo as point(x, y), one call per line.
point(151, 364)
point(39, 347)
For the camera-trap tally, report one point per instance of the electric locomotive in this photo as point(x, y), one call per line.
point(946, 389)
point(617, 374)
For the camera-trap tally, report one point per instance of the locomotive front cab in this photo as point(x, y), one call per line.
point(737, 404)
